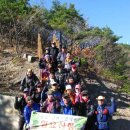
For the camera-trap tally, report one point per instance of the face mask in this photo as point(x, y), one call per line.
point(60, 70)
point(53, 45)
point(77, 91)
point(85, 99)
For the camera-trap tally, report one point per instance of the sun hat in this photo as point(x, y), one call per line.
point(100, 98)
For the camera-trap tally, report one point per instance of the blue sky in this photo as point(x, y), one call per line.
point(112, 13)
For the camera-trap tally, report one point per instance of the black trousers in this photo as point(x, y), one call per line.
point(90, 124)
point(21, 122)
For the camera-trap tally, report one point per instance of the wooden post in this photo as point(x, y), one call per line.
point(40, 50)
point(56, 40)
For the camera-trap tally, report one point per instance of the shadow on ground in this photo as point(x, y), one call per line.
point(120, 124)
point(99, 88)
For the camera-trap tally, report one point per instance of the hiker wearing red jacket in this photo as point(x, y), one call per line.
point(78, 96)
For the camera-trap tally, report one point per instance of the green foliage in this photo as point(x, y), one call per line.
point(110, 55)
point(112, 76)
point(83, 61)
point(126, 87)
point(12, 10)
point(18, 15)
point(65, 19)
point(108, 33)
point(125, 46)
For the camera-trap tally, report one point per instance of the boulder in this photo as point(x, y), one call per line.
point(9, 115)
point(25, 56)
point(31, 58)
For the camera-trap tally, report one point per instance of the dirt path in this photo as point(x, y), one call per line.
point(12, 70)
point(121, 119)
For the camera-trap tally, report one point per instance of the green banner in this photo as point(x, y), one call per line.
point(39, 121)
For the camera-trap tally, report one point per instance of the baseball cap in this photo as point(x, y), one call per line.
point(65, 95)
point(84, 93)
point(50, 92)
point(26, 90)
point(68, 87)
point(53, 82)
point(47, 56)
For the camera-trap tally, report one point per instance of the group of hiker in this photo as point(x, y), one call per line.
point(60, 91)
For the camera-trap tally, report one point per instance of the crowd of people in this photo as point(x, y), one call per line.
point(59, 91)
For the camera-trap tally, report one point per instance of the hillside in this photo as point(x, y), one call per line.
point(97, 47)
point(13, 70)
point(126, 49)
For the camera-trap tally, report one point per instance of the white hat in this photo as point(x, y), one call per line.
point(68, 54)
point(47, 56)
point(100, 98)
point(68, 87)
point(53, 82)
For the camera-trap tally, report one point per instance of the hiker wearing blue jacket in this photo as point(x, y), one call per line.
point(56, 93)
point(67, 107)
point(103, 112)
point(31, 106)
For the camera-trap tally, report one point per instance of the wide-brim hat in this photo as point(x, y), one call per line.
point(100, 98)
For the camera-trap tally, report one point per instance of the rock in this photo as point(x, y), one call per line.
point(124, 112)
point(30, 58)
point(9, 120)
point(8, 110)
point(25, 56)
